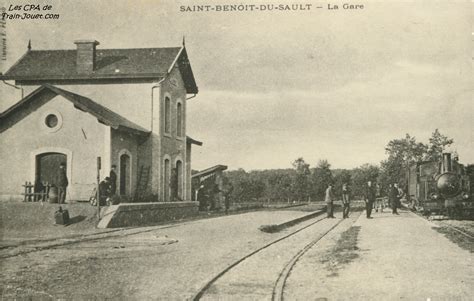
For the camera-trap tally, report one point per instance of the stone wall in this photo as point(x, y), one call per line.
point(145, 214)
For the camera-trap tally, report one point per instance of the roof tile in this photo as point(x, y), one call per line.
point(61, 64)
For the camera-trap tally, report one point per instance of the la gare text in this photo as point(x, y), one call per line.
point(346, 6)
point(266, 7)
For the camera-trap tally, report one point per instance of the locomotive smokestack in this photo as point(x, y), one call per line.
point(447, 166)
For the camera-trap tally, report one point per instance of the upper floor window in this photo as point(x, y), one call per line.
point(179, 119)
point(167, 115)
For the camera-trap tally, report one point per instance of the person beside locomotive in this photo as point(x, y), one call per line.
point(400, 195)
point(345, 200)
point(369, 198)
point(393, 197)
point(378, 198)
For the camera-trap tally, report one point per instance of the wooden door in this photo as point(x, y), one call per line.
point(47, 166)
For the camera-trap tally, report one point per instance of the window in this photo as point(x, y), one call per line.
point(51, 121)
point(167, 115)
point(179, 123)
point(179, 175)
point(167, 180)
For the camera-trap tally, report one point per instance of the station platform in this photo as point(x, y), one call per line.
point(389, 257)
point(395, 257)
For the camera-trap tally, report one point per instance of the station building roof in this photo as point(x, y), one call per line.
point(110, 65)
point(47, 92)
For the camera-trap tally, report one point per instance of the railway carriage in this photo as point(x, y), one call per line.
point(440, 187)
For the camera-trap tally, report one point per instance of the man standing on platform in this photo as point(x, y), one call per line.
point(62, 183)
point(369, 198)
point(345, 200)
point(392, 196)
point(329, 201)
point(396, 194)
point(113, 180)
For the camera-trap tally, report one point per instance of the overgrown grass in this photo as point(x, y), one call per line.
point(343, 252)
point(461, 240)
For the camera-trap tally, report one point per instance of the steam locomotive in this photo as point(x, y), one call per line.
point(440, 187)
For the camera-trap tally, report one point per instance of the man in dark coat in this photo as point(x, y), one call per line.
point(388, 192)
point(369, 198)
point(105, 191)
point(227, 190)
point(38, 189)
point(113, 180)
point(62, 183)
point(345, 200)
point(393, 197)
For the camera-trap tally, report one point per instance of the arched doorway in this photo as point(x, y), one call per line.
point(125, 174)
point(47, 167)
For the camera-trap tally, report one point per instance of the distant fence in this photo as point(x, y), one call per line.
point(36, 194)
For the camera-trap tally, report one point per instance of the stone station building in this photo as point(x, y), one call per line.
point(126, 106)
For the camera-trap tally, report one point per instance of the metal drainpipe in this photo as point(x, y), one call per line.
point(16, 87)
point(152, 89)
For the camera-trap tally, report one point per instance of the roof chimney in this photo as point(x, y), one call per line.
point(85, 58)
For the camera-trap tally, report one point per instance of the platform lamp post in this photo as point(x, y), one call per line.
point(98, 187)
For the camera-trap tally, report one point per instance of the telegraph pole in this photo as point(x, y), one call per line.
point(98, 188)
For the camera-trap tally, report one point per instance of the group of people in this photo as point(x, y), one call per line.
point(107, 189)
point(209, 195)
point(372, 197)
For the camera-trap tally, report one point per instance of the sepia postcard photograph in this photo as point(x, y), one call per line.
point(236, 150)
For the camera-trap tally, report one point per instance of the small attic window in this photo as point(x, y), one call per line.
point(51, 121)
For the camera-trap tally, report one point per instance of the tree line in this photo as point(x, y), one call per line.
point(302, 182)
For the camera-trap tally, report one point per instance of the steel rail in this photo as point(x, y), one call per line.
point(458, 230)
point(442, 223)
point(278, 289)
point(201, 292)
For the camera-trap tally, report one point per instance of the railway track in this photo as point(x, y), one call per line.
point(444, 224)
point(278, 285)
point(457, 229)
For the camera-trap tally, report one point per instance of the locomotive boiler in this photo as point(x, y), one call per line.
point(441, 187)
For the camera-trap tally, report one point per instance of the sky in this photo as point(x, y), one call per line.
point(274, 86)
